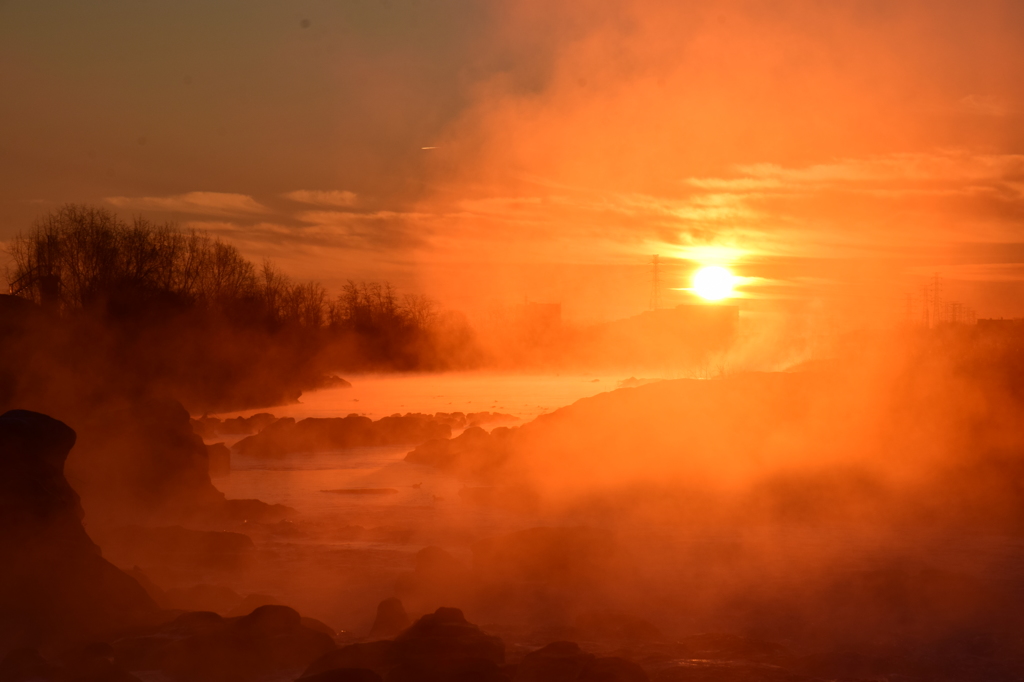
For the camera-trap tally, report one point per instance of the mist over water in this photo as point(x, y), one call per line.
point(524, 395)
point(512, 341)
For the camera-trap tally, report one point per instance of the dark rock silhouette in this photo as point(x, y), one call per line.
point(391, 619)
point(344, 675)
point(137, 456)
point(252, 602)
point(91, 663)
point(142, 460)
point(474, 451)
point(95, 663)
point(316, 434)
point(566, 662)
point(205, 646)
point(555, 662)
point(441, 646)
point(26, 663)
point(462, 420)
point(54, 584)
point(319, 626)
point(212, 427)
point(170, 546)
point(444, 642)
point(219, 458)
point(376, 656)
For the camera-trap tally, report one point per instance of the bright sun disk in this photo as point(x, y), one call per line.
point(713, 282)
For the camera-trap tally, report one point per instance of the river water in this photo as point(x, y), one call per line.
point(342, 552)
point(299, 481)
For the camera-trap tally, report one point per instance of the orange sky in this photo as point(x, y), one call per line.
point(828, 151)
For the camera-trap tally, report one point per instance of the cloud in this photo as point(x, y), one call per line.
point(983, 105)
point(195, 203)
point(323, 198)
point(357, 232)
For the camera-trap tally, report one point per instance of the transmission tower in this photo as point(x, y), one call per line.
point(937, 300)
point(655, 302)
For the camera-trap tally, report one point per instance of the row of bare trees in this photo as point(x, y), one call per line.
point(81, 258)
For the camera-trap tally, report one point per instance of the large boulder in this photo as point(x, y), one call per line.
point(375, 656)
point(391, 619)
point(204, 646)
point(141, 459)
point(441, 646)
point(54, 584)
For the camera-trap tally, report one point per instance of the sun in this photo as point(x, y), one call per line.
point(714, 282)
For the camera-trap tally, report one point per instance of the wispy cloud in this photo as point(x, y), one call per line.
point(340, 198)
point(194, 203)
point(983, 105)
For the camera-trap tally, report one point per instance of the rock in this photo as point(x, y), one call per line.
point(252, 602)
point(25, 663)
point(286, 436)
point(331, 381)
point(456, 420)
point(218, 457)
point(203, 646)
point(464, 670)
point(444, 640)
point(481, 418)
point(566, 662)
point(212, 427)
point(376, 656)
point(319, 626)
point(474, 451)
point(556, 662)
point(141, 459)
point(95, 663)
point(152, 589)
point(54, 584)
point(344, 675)
point(391, 619)
point(243, 511)
point(163, 547)
point(440, 646)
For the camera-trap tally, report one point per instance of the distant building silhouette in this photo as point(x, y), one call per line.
point(1013, 326)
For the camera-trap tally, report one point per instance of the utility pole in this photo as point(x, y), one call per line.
point(655, 302)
